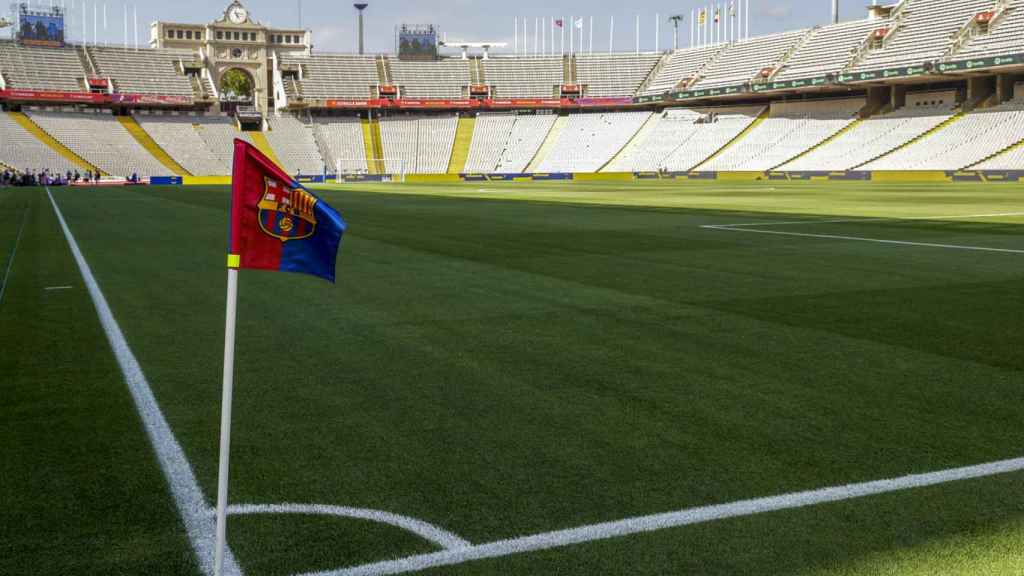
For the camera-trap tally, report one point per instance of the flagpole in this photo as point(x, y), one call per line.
point(225, 418)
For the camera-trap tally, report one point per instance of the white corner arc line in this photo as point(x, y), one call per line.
point(703, 514)
point(188, 496)
point(424, 530)
point(861, 239)
point(14, 252)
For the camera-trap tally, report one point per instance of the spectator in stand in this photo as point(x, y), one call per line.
point(135, 178)
point(77, 176)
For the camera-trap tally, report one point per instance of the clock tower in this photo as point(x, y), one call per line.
point(235, 41)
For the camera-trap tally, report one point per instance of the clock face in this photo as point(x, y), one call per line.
point(237, 15)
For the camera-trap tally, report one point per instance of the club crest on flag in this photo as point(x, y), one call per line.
point(287, 213)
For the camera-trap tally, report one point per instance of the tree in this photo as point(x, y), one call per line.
point(236, 85)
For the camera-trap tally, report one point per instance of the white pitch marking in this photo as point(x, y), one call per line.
point(867, 220)
point(642, 524)
point(14, 252)
point(195, 514)
point(52, 288)
point(875, 240)
point(424, 530)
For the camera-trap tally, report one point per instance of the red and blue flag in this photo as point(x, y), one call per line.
point(276, 224)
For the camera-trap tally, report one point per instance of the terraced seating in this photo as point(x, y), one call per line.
point(342, 140)
point(178, 137)
point(37, 68)
point(614, 74)
point(294, 145)
point(143, 71)
point(828, 50)
point(792, 128)
point(22, 151)
point(506, 143)
point(963, 143)
point(741, 61)
point(879, 135)
point(446, 79)
point(925, 33)
point(588, 141)
point(1004, 36)
point(418, 144)
point(335, 75)
point(513, 77)
point(219, 133)
point(101, 140)
point(681, 65)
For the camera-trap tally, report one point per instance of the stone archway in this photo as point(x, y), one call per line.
point(238, 85)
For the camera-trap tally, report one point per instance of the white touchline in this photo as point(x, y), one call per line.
point(52, 288)
point(195, 514)
point(860, 239)
point(688, 517)
point(424, 530)
point(866, 220)
point(14, 252)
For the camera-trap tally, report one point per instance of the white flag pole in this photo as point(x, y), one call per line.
point(515, 35)
point(611, 35)
point(225, 419)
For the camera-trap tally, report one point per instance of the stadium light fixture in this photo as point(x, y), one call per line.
point(360, 6)
point(675, 20)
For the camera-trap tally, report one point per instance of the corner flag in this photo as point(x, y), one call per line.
point(274, 224)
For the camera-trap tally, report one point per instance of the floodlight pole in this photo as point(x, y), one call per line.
point(675, 20)
point(360, 6)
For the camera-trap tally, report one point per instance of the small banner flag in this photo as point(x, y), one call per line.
point(560, 23)
point(276, 224)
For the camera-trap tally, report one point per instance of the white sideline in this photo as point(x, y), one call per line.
point(655, 522)
point(846, 220)
point(14, 252)
point(424, 530)
point(188, 496)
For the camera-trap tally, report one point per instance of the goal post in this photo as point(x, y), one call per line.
point(369, 167)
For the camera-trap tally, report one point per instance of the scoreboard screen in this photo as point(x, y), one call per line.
point(417, 43)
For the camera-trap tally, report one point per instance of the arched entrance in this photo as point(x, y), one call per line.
point(238, 86)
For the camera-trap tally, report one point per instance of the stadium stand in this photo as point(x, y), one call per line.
point(879, 135)
point(445, 79)
point(418, 144)
point(34, 68)
point(828, 48)
point(741, 61)
point(219, 133)
point(335, 75)
point(923, 32)
point(100, 139)
point(530, 77)
point(341, 142)
point(23, 151)
point(679, 139)
point(505, 143)
point(614, 74)
point(295, 145)
point(961, 144)
point(790, 129)
point(589, 141)
point(681, 65)
point(1003, 36)
point(143, 71)
point(177, 135)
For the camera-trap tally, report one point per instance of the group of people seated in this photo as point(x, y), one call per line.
point(47, 178)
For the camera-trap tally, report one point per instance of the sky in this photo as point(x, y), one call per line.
point(334, 23)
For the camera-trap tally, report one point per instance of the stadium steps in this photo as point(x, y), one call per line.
point(637, 140)
point(147, 142)
point(954, 118)
point(260, 140)
point(460, 150)
point(1000, 153)
point(750, 128)
point(662, 62)
point(373, 146)
point(824, 142)
point(549, 143)
point(44, 137)
point(383, 70)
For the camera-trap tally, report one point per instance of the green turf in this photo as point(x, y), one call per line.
point(502, 360)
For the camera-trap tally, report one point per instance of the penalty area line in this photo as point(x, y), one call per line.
point(862, 239)
point(200, 523)
point(704, 514)
point(14, 252)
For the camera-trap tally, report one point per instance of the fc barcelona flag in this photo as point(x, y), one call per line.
point(276, 224)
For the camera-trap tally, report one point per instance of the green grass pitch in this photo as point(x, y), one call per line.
point(502, 360)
